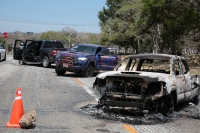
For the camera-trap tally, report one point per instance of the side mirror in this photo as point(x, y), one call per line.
point(100, 54)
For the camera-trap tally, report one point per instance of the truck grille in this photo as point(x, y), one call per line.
point(68, 58)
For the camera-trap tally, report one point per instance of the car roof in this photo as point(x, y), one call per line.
point(152, 56)
point(91, 45)
point(49, 40)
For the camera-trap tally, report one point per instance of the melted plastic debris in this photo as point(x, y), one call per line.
point(129, 116)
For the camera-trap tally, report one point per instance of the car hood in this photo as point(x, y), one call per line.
point(145, 75)
point(71, 53)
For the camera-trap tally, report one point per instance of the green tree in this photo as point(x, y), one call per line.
point(139, 23)
point(2, 40)
point(53, 35)
point(125, 25)
point(169, 20)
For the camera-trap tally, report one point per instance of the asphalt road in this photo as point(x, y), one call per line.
point(57, 101)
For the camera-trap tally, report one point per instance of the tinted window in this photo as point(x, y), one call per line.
point(31, 45)
point(98, 50)
point(49, 44)
point(1, 46)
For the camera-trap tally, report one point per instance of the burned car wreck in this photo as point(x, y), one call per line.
point(148, 83)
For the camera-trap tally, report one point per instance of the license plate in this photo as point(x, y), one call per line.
point(65, 65)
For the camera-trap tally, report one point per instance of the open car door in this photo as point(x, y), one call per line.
point(24, 49)
point(18, 49)
point(29, 50)
point(107, 59)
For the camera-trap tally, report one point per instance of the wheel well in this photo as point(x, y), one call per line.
point(174, 95)
point(45, 55)
point(91, 63)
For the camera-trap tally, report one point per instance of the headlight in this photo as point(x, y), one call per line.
point(82, 59)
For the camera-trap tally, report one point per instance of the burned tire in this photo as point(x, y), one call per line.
point(168, 106)
point(45, 62)
point(60, 72)
point(195, 100)
point(89, 71)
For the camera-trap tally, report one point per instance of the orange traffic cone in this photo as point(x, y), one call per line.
point(17, 110)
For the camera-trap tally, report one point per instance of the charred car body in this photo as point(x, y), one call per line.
point(148, 83)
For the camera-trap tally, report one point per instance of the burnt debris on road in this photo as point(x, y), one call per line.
point(183, 111)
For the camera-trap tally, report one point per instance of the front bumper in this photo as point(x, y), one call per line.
point(139, 102)
point(71, 66)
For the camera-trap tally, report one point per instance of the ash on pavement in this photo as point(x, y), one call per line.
point(183, 111)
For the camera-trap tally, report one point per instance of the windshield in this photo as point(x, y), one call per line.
point(1, 46)
point(148, 65)
point(84, 49)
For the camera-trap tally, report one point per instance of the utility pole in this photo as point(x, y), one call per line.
point(69, 38)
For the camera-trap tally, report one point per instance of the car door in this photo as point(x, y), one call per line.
point(30, 50)
point(187, 79)
point(18, 50)
point(107, 60)
point(183, 83)
point(3, 52)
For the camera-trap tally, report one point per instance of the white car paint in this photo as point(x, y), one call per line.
point(2, 52)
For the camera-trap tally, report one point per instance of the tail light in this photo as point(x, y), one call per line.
point(53, 52)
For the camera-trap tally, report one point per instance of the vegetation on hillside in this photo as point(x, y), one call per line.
point(167, 25)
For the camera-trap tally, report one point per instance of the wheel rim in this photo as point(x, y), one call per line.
point(20, 62)
point(45, 61)
point(168, 106)
point(89, 71)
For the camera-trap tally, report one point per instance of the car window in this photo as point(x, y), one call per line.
point(2, 47)
point(128, 65)
point(84, 49)
point(31, 45)
point(52, 44)
point(98, 50)
point(154, 65)
point(176, 67)
point(106, 52)
point(184, 67)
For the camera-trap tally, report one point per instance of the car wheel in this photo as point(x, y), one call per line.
point(4, 57)
point(22, 62)
point(0, 57)
point(45, 62)
point(60, 72)
point(195, 100)
point(168, 106)
point(89, 71)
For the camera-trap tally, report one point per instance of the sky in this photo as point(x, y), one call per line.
point(50, 15)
